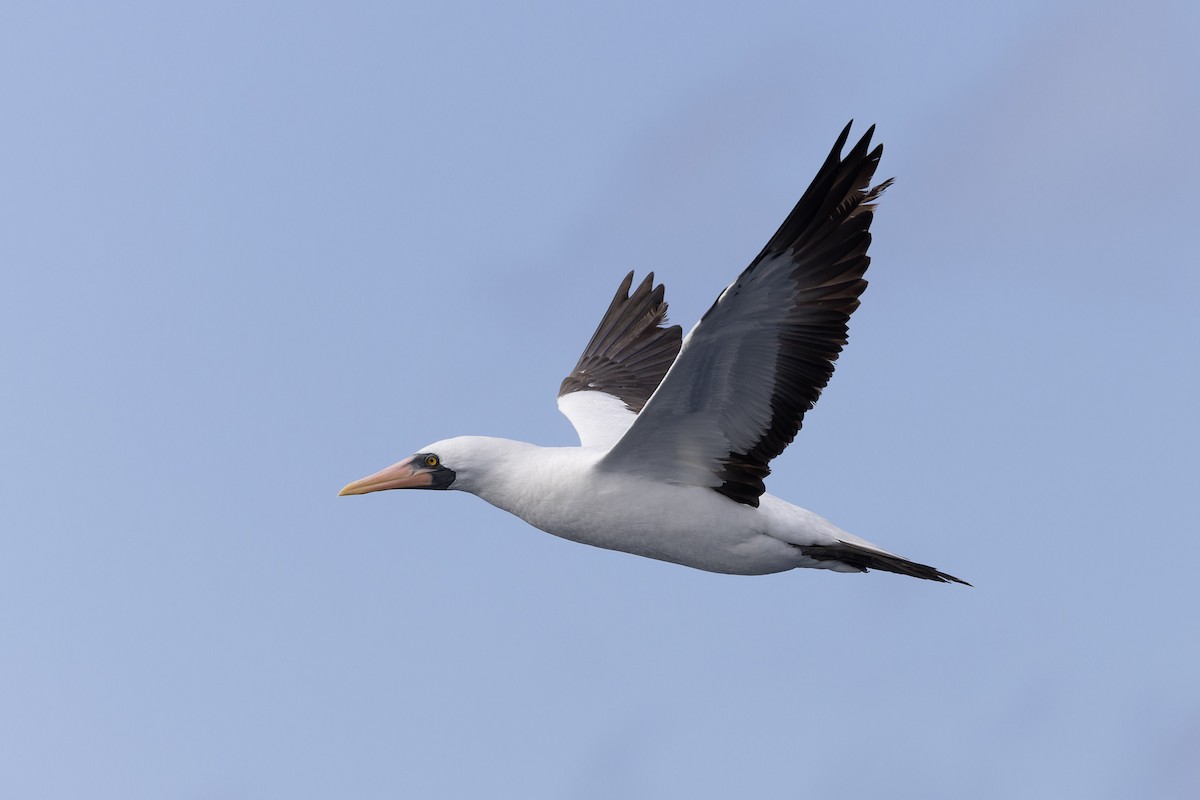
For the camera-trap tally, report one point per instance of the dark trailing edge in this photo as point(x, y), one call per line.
point(631, 349)
point(826, 239)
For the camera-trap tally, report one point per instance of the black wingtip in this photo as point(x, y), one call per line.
point(863, 142)
point(843, 137)
point(632, 347)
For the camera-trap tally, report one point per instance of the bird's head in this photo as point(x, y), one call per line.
point(430, 468)
point(464, 462)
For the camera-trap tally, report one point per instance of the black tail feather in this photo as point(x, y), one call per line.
point(864, 558)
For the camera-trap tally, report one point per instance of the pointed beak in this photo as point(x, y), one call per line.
point(397, 476)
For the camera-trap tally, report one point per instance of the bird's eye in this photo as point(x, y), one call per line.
point(431, 461)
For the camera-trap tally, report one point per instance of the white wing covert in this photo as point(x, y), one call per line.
point(621, 366)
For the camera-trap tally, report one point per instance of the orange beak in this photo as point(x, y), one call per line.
point(397, 476)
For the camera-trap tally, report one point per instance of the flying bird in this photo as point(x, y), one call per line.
point(676, 434)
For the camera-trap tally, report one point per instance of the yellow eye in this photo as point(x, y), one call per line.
point(431, 461)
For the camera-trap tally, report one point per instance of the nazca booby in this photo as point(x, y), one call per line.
point(676, 434)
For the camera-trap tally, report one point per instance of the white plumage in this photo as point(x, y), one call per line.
point(676, 437)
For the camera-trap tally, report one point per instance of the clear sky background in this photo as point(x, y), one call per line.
point(252, 252)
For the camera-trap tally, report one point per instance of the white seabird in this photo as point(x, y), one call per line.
point(676, 438)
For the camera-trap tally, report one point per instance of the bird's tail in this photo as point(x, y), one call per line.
point(865, 558)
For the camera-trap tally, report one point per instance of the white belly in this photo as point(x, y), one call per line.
point(688, 525)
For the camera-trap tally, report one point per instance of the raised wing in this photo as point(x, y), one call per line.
point(757, 361)
point(621, 366)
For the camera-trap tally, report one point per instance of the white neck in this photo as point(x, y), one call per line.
point(514, 476)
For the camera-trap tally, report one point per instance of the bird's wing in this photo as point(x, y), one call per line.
point(621, 366)
point(760, 356)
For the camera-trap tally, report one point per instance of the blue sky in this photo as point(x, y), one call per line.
point(253, 252)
